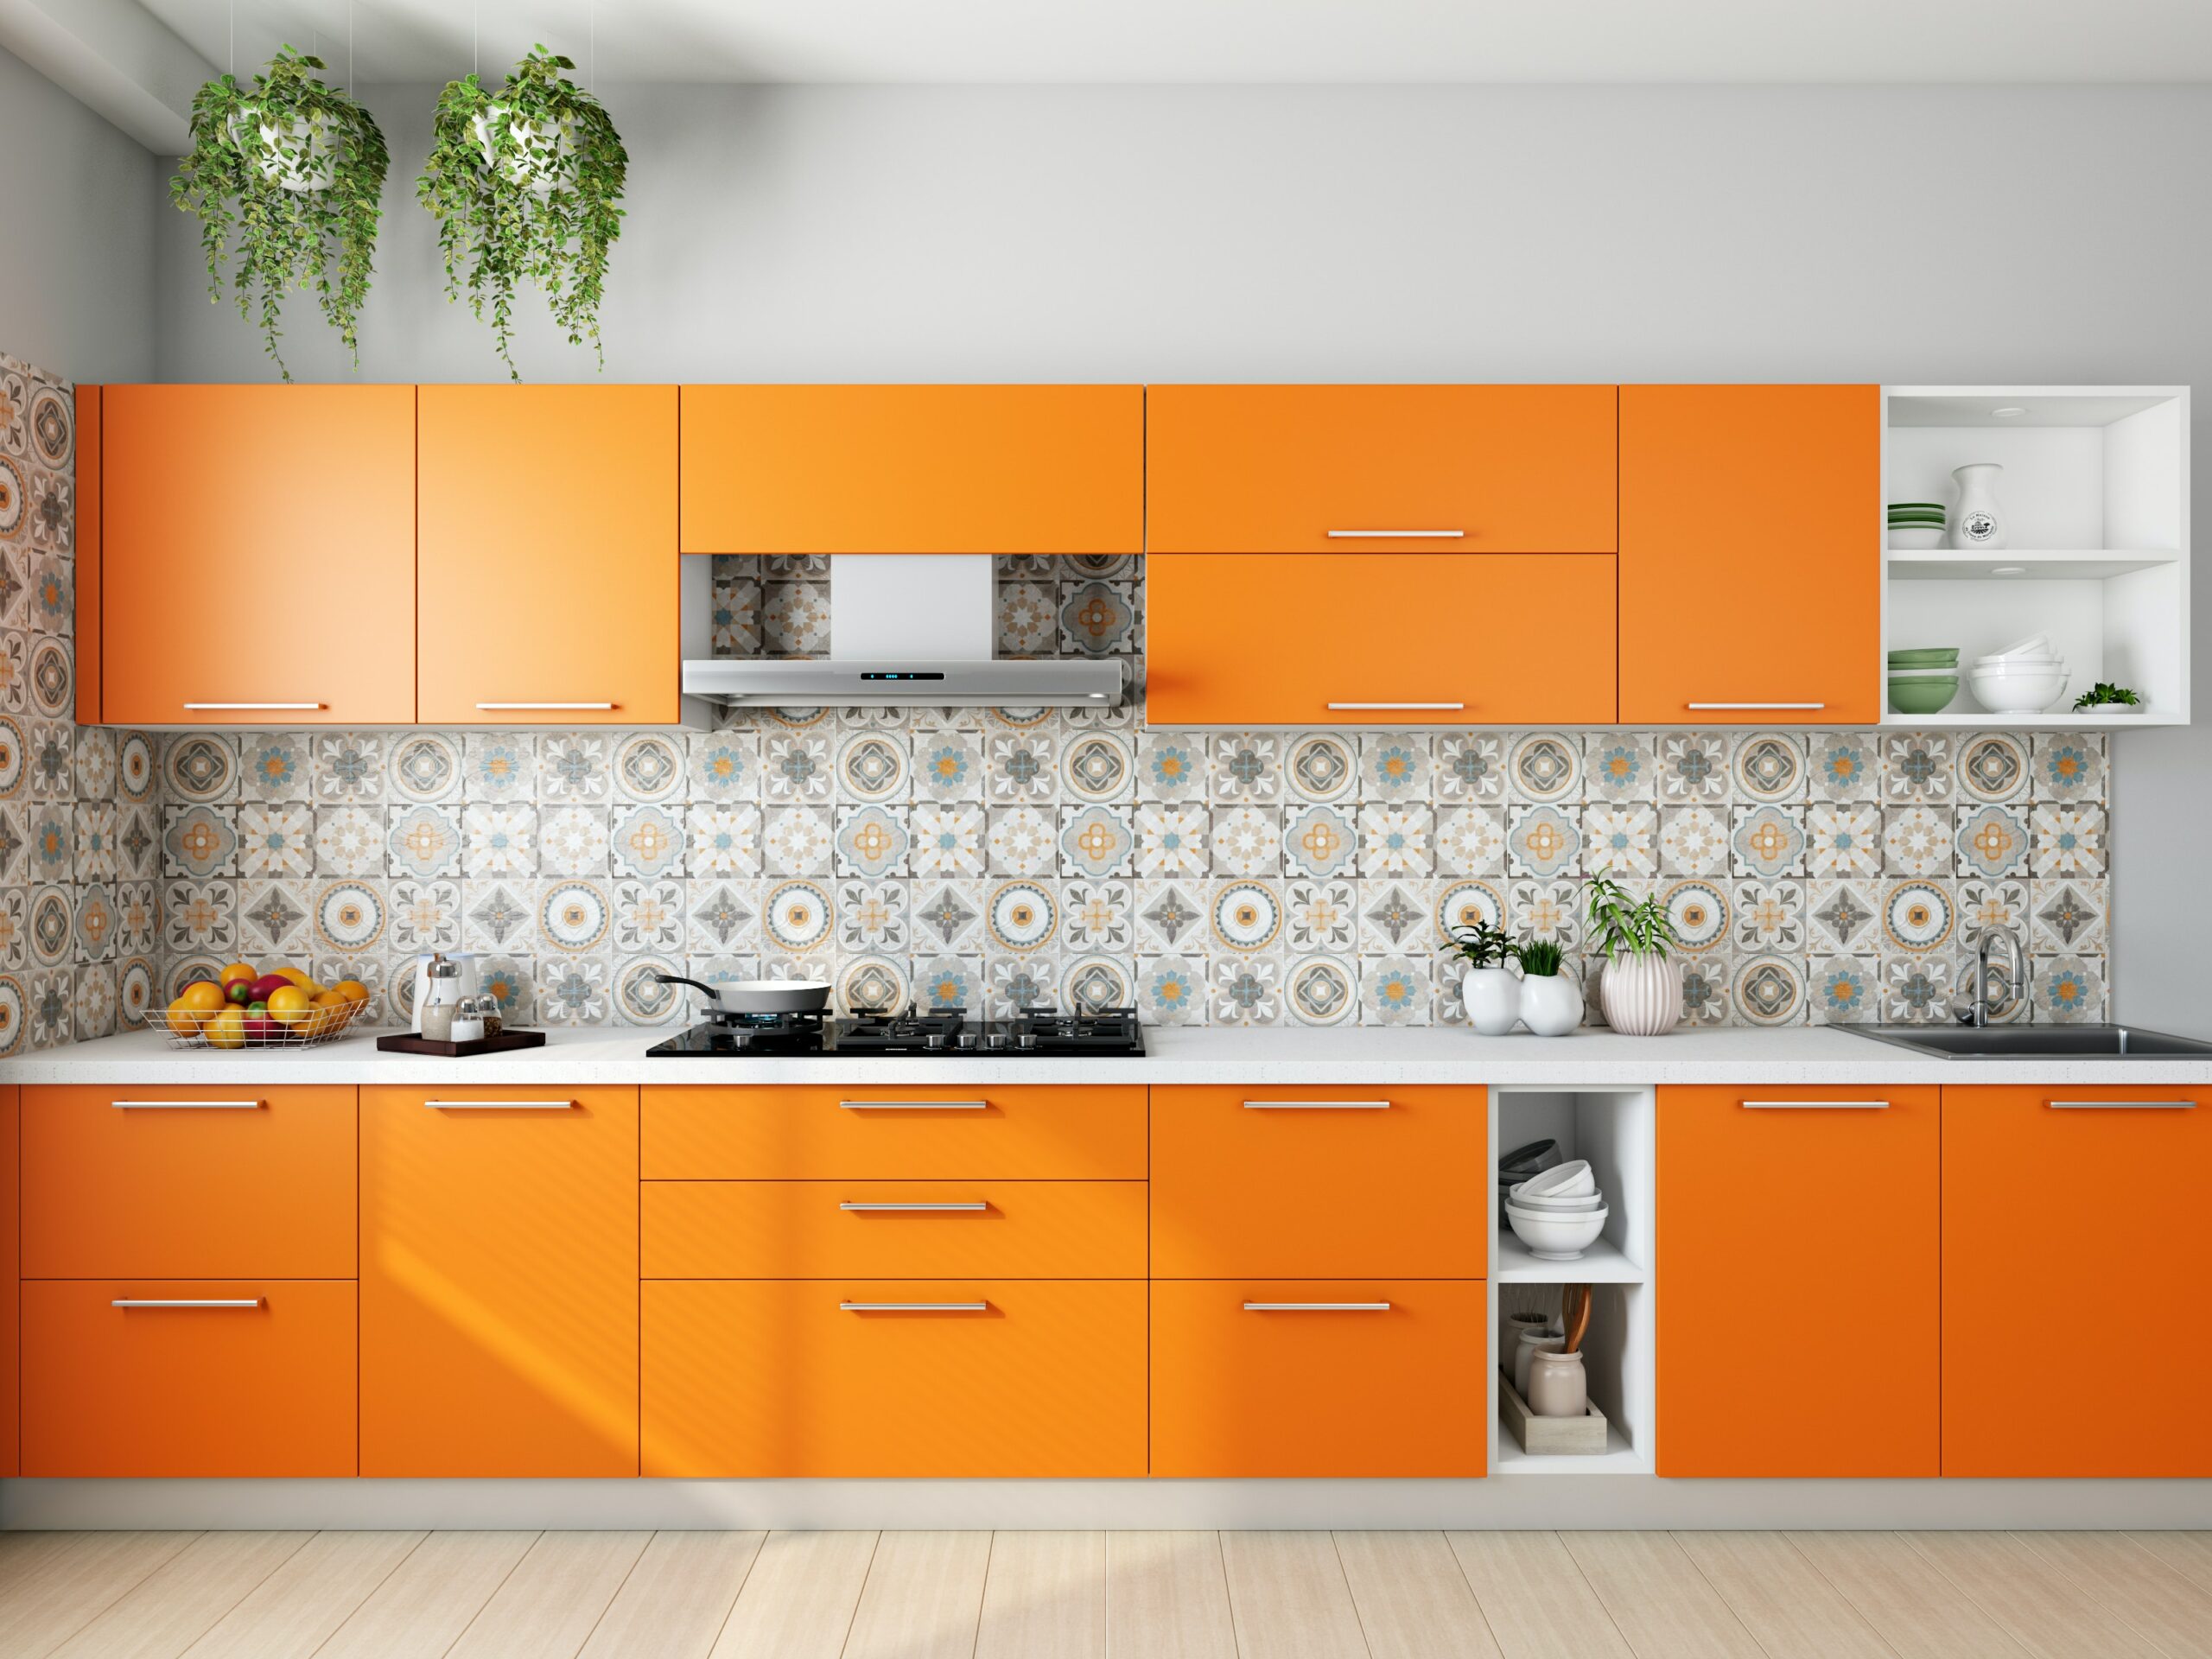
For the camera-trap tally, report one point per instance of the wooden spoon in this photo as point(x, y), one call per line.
point(1575, 1315)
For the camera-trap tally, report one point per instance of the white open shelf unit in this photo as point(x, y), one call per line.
point(2094, 495)
point(1618, 1131)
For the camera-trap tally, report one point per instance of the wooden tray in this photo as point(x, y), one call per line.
point(1546, 1437)
point(405, 1042)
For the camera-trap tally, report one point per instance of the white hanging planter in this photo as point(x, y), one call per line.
point(295, 155)
point(534, 157)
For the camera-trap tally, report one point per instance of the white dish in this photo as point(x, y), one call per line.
point(2026, 692)
point(2018, 665)
point(1568, 1180)
point(1915, 539)
point(1555, 1238)
point(1561, 1206)
point(2036, 645)
point(1924, 673)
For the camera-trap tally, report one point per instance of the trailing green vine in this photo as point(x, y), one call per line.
point(525, 183)
point(286, 177)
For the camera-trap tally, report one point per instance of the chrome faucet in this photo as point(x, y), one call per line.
point(1978, 1013)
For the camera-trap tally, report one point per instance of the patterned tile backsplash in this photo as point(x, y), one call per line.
point(990, 857)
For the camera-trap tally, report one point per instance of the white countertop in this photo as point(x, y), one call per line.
point(1588, 1058)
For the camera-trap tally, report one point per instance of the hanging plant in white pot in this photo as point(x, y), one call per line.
point(286, 177)
point(526, 185)
point(1641, 991)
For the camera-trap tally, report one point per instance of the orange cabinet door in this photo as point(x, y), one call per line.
point(894, 1229)
point(2027, 1273)
point(258, 555)
point(188, 1182)
point(1319, 1377)
point(10, 1276)
point(1798, 1251)
point(1392, 639)
point(898, 1378)
point(1299, 470)
point(1014, 1132)
point(547, 518)
point(1750, 555)
point(499, 1281)
point(183, 1376)
point(914, 469)
point(1329, 1181)
point(88, 556)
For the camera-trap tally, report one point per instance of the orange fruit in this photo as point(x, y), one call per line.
point(203, 997)
point(185, 1021)
point(298, 977)
point(227, 1029)
point(351, 989)
point(244, 970)
point(288, 1005)
point(332, 1010)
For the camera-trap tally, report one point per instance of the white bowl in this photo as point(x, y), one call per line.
point(2027, 691)
point(1567, 1180)
point(2018, 665)
point(1555, 1238)
point(1559, 1206)
point(2036, 645)
point(1915, 539)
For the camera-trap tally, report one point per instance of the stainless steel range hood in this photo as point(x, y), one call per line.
point(907, 630)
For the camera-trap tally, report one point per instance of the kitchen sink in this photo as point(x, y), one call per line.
point(2036, 1042)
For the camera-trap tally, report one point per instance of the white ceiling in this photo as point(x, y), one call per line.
point(1280, 40)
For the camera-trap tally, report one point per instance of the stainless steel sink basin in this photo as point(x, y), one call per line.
point(2037, 1042)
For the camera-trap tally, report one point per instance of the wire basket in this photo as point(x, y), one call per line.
point(310, 1030)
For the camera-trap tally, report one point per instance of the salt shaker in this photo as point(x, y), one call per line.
point(468, 1019)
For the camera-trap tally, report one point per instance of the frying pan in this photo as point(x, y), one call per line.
point(758, 996)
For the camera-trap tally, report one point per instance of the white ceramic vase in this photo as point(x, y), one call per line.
point(1493, 1000)
point(1642, 995)
point(296, 155)
point(1551, 1004)
point(1976, 522)
point(533, 157)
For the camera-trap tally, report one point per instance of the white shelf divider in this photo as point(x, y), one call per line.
point(1603, 1263)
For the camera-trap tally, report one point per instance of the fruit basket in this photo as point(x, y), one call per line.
point(244, 1008)
point(261, 1031)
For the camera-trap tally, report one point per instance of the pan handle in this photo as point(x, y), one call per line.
point(713, 996)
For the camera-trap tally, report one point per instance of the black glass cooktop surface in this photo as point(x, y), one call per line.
point(942, 1033)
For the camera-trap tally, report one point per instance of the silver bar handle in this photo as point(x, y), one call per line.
point(500, 1105)
point(186, 1301)
point(494, 707)
point(1397, 705)
point(914, 1105)
point(1817, 1105)
point(963, 1208)
point(187, 1105)
point(1396, 535)
point(1754, 705)
point(2122, 1105)
point(252, 705)
point(1317, 1307)
point(1316, 1105)
point(913, 1307)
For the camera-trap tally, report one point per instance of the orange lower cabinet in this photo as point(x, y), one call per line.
point(2028, 1274)
point(174, 1377)
point(499, 1281)
point(1319, 1377)
point(1798, 1256)
point(9, 1286)
point(898, 1378)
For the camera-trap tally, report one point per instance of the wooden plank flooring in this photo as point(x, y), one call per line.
point(1091, 1595)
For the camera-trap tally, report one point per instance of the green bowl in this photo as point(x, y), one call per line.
point(1926, 657)
point(1931, 696)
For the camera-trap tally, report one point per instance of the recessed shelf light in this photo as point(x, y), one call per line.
point(2008, 411)
point(2009, 570)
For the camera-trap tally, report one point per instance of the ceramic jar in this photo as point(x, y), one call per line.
point(1558, 1386)
point(1642, 995)
point(1532, 1344)
point(1551, 1004)
point(1493, 1000)
point(1511, 1331)
point(1976, 522)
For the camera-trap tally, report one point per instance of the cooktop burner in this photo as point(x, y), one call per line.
point(936, 1032)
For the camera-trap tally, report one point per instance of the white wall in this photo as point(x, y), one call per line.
point(77, 227)
point(1927, 234)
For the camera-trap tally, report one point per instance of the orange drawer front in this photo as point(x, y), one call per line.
point(816, 1229)
point(207, 1182)
point(264, 1389)
point(1027, 1132)
point(1398, 1389)
point(1327, 1182)
point(776, 1378)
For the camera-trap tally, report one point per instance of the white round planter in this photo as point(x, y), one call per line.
point(1551, 1004)
point(295, 156)
point(1493, 1000)
point(532, 156)
point(1642, 995)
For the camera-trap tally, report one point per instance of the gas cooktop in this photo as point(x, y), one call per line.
point(946, 1033)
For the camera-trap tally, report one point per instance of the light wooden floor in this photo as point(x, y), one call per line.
point(1130, 1595)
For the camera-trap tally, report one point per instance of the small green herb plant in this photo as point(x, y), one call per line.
point(1482, 945)
point(286, 177)
point(526, 185)
point(2104, 694)
point(1540, 958)
point(1622, 927)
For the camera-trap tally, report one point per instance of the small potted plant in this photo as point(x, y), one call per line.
point(1640, 989)
point(2108, 698)
point(1493, 1000)
point(1551, 1000)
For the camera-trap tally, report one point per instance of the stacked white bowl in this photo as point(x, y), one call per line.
point(1558, 1213)
point(2025, 679)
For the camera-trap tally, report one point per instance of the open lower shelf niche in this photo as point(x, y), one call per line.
point(1618, 1458)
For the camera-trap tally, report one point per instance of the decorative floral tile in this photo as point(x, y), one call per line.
point(1245, 990)
point(93, 848)
point(1769, 990)
point(1767, 840)
point(1243, 767)
point(797, 840)
point(349, 917)
point(1621, 837)
point(643, 996)
point(343, 767)
point(1021, 916)
point(1771, 767)
point(948, 766)
point(1994, 768)
point(948, 840)
point(1469, 904)
point(2068, 767)
point(795, 618)
point(198, 768)
point(1468, 767)
point(1394, 767)
point(1700, 912)
point(425, 916)
point(873, 767)
point(1693, 768)
point(2068, 841)
point(196, 841)
point(1770, 917)
point(1917, 840)
point(421, 766)
point(650, 766)
point(1322, 766)
point(424, 842)
point(723, 766)
point(1846, 916)
point(499, 840)
point(1022, 841)
point(1172, 839)
point(1916, 766)
point(1916, 989)
point(1546, 910)
point(575, 767)
point(349, 841)
point(1029, 618)
point(2068, 915)
point(1020, 768)
point(871, 841)
point(1173, 765)
point(872, 916)
point(2068, 989)
point(1918, 916)
point(1397, 840)
point(497, 915)
point(1985, 904)
point(1098, 618)
point(1844, 766)
point(795, 766)
point(646, 839)
point(1539, 841)
point(574, 916)
point(1321, 916)
point(1172, 915)
point(1098, 767)
point(274, 766)
point(1843, 839)
point(1694, 840)
point(1992, 841)
point(1099, 916)
point(651, 915)
point(1545, 768)
point(1396, 917)
point(1843, 990)
point(1247, 841)
point(723, 915)
point(1172, 990)
point(1245, 916)
point(1320, 841)
point(1394, 990)
point(1470, 841)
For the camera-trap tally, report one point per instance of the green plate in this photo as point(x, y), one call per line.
point(1937, 506)
point(1926, 657)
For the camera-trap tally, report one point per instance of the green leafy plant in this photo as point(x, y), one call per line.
point(525, 184)
point(2104, 694)
point(286, 177)
point(1540, 958)
point(1482, 945)
point(1626, 927)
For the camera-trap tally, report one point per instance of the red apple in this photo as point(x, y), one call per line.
point(239, 992)
point(266, 983)
point(260, 1028)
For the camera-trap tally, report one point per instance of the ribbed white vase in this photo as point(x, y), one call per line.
point(1642, 995)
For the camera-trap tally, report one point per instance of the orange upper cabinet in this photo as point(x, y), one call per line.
point(1391, 639)
point(1305, 470)
point(499, 1281)
point(1798, 1243)
point(2042, 1376)
point(258, 555)
point(914, 469)
point(1750, 555)
point(547, 516)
